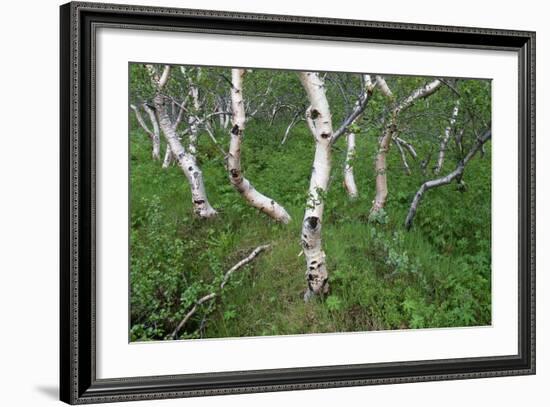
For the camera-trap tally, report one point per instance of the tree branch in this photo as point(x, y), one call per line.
point(213, 295)
point(360, 106)
point(457, 173)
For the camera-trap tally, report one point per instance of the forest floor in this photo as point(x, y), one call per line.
point(381, 276)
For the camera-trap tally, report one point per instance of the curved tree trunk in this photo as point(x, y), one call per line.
point(241, 184)
point(390, 131)
point(320, 123)
point(186, 161)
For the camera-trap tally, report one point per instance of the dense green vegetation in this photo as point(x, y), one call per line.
point(438, 274)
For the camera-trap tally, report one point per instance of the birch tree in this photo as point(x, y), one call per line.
point(236, 177)
point(154, 134)
point(389, 132)
point(319, 120)
point(185, 159)
point(349, 178)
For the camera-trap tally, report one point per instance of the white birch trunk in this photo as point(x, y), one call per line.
point(320, 122)
point(186, 162)
point(445, 140)
point(241, 184)
point(193, 134)
point(167, 157)
point(360, 105)
point(349, 179)
point(383, 86)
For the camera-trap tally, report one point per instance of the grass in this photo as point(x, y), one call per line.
point(382, 277)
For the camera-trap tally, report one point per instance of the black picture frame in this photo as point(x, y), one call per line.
point(78, 382)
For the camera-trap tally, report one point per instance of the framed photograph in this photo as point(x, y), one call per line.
point(255, 203)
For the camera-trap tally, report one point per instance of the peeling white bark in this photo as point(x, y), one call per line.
point(319, 120)
point(241, 184)
point(456, 174)
point(445, 139)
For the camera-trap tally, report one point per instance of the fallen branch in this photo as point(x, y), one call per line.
point(213, 295)
point(243, 262)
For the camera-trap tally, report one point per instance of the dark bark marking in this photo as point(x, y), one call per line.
point(312, 221)
point(315, 114)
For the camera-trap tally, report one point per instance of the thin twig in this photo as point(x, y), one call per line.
point(213, 295)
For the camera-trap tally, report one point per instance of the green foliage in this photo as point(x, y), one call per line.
point(381, 277)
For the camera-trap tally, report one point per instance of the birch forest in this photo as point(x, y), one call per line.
point(272, 202)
